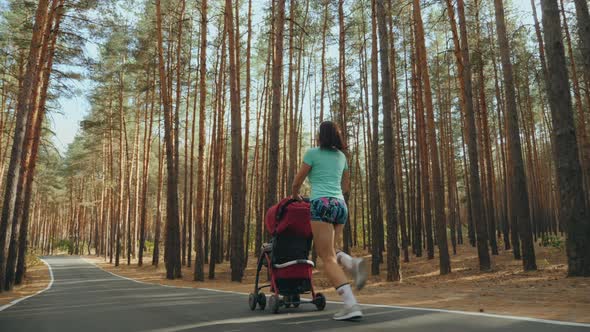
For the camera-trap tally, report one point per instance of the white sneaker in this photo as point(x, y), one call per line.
point(359, 272)
point(348, 313)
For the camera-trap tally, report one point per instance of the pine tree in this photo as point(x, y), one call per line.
point(573, 208)
point(518, 194)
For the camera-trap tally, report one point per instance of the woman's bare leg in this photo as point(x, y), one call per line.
point(323, 240)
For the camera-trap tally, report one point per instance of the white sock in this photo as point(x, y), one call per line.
point(344, 259)
point(345, 291)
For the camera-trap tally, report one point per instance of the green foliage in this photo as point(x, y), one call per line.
point(551, 240)
point(64, 245)
point(149, 246)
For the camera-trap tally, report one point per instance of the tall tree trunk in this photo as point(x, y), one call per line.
point(199, 274)
point(29, 86)
point(248, 207)
point(393, 273)
point(583, 143)
point(36, 138)
point(134, 163)
point(415, 137)
point(342, 105)
point(147, 134)
point(172, 245)
point(465, 83)
point(188, 204)
point(216, 242)
point(27, 167)
point(156, 254)
point(486, 148)
point(573, 209)
point(323, 84)
point(277, 67)
point(511, 238)
point(440, 219)
point(374, 194)
point(518, 195)
point(237, 188)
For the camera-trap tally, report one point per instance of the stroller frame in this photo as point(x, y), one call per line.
point(285, 296)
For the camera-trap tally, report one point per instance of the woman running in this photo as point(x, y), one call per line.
point(327, 170)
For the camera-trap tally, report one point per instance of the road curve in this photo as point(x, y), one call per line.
point(84, 298)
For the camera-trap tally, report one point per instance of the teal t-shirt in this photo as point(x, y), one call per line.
point(326, 171)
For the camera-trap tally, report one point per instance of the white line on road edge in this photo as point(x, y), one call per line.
point(468, 313)
point(8, 305)
point(457, 312)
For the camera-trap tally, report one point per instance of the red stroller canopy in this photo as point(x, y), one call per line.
point(289, 217)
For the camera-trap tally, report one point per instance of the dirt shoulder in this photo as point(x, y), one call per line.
point(36, 278)
point(546, 293)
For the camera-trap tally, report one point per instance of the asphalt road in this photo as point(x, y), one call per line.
point(84, 298)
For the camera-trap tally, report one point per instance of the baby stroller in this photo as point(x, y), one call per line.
point(286, 258)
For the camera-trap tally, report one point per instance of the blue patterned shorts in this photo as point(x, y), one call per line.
point(329, 209)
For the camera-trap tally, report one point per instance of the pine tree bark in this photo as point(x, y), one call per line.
point(573, 209)
point(510, 233)
point(30, 83)
point(323, 83)
point(188, 202)
point(248, 206)
point(172, 245)
point(393, 266)
point(440, 218)
point(199, 274)
point(216, 234)
point(374, 194)
point(56, 17)
point(147, 134)
point(342, 105)
point(486, 148)
point(583, 143)
point(518, 193)
point(465, 81)
point(237, 188)
point(156, 254)
point(27, 166)
point(273, 144)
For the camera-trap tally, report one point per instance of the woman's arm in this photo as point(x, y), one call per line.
point(299, 178)
point(345, 182)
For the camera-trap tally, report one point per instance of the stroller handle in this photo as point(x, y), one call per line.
point(283, 208)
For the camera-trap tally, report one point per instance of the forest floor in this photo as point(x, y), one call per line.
point(36, 278)
point(507, 289)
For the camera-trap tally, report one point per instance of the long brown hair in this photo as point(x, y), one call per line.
point(330, 137)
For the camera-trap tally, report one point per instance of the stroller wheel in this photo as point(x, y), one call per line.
point(261, 301)
point(320, 301)
point(252, 301)
point(295, 299)
point(274, 303)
